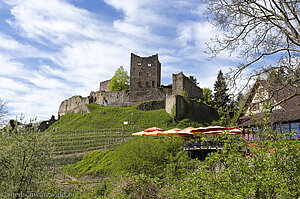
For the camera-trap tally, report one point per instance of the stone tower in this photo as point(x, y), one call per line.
point(145, 75)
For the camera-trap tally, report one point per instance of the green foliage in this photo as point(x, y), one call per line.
point(97, 162)
point(221, 98)
point(136, 156)
point(207, 96)
point(184, 94)
point(120, 81)
point(109, 117)
point(24, 160)
point(228, 174)
point(137, 186)
point(139, 168)
point(187, 123)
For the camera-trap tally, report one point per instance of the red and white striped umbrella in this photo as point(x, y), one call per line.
point(235, 131)
point(154, 129)
point(213, 132)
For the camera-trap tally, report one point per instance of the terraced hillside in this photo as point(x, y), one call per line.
point(113, 117)
point(77, 142)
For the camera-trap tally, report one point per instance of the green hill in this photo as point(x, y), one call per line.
point(113, 117)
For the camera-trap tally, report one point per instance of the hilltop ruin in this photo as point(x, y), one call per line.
point(145, 86)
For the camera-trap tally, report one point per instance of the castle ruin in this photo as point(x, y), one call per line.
point(145, 85)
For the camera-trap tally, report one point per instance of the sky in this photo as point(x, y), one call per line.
point(53, 50)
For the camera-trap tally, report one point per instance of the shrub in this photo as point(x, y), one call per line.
point(24, 160)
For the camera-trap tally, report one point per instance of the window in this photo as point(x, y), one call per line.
point(152, 83)
point(149, 65)
point(147, 84)
point(139, 85)
point(139, 63)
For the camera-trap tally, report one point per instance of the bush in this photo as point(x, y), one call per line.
point(24, 160)
point(187, 123)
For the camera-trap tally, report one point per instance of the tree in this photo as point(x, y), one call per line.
point(208, 96)
point(120, 81)
point(24, 161)
point(221, 98)
point(258, 30)
point(193, 79)
point(270, 171)
point(3, 110)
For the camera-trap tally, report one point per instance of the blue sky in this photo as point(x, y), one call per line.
point(52, 50)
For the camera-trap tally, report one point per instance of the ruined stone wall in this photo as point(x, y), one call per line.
point(111, 98)
point(145, 80)
point(104, 86)
point(151, 105)
point(145, 75)
point(179, 108)
point(181, 83)
point(75, 104)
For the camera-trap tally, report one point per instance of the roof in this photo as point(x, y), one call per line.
point(287, 96)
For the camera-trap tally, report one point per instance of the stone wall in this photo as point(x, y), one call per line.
point(145, 75)
point(45, 124)
point(179, 108)
point(75, 104)
point(111, 98)
point(181, 83)
point(104, 86)
point(145, 80)
point(151, 105)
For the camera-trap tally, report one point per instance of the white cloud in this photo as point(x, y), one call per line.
point(77, 49)
point(52, 20)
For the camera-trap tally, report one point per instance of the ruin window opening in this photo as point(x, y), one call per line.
point(139, 63)
point(149, 65)
point(147, 84)
point(152, 83)
point(139, 85)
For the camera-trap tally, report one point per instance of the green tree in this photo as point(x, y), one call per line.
point(24, 161)
point(221, 98)
point(208, 96)
point(120, 81)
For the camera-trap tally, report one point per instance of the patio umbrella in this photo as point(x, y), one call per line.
point(141, 133)
point(184, 133)
point(235, 131)
point(169, 132)
point(154, 129)
point(199, 130)
point(152, 133)
point(213, 132)
point(188, 129)
point(218, 128)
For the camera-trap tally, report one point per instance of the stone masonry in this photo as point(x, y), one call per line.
point(145, 85)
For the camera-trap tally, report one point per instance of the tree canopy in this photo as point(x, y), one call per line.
point(208, 96)
point(120, 81)
point(258, 30)
point(3, 110)
point(221, 97)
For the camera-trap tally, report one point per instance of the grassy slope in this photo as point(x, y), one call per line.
point(110, 117)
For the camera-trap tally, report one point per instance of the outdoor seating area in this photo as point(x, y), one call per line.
point(195, 138)
point(210, 130)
